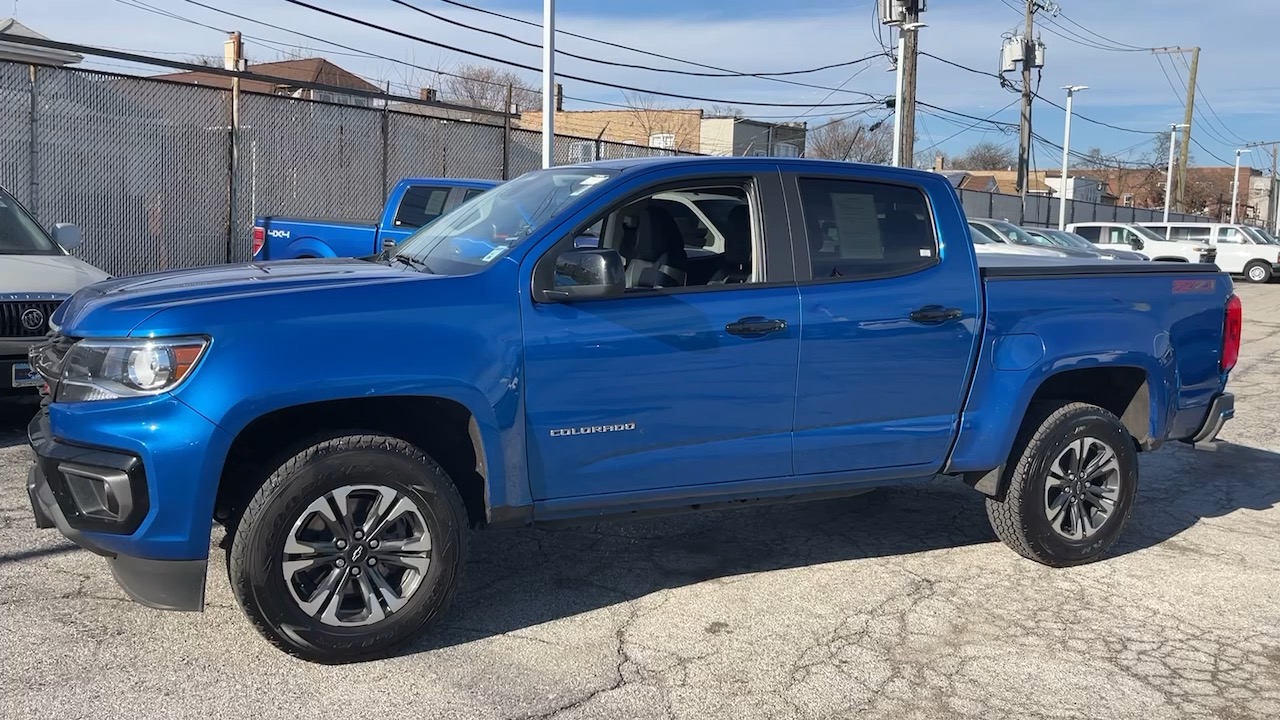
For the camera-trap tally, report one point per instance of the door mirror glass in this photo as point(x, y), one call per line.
point(586, 274)
point(67, 235)
point(1136, 242)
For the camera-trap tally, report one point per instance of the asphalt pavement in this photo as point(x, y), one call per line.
point(896, 604)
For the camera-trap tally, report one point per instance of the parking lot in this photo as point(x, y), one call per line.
point(900, 603)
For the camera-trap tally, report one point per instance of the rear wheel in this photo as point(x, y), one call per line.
point(349, 549)
point(1258, 272)
point(1071, 482)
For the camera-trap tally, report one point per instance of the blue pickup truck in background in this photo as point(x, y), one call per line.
point(836, 331)
point(413, 203)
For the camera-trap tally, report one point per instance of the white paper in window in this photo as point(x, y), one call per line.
point(858, 224)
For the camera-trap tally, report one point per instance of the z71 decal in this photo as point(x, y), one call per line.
point(1183, 287)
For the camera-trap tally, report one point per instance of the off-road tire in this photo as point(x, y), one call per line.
point(1019, 518)
point(256, 554)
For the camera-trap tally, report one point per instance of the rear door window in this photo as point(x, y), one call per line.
point(421, 204)
point(860, 229)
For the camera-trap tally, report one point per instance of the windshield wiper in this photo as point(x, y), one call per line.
point(413, 262)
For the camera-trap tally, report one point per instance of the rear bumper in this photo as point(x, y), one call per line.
point(80, 516)
point(1222, 409)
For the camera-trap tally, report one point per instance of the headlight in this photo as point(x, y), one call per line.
point(109, 369)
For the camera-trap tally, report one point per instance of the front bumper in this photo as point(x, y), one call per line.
point(1222, 409)
point(98, 499)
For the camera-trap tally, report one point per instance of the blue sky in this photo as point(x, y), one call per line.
point(1238, 76)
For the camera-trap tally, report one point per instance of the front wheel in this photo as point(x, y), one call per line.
point(1071, 482)
point(1258, 272)
point(349, 549)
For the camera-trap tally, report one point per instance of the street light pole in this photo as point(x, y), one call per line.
point(1168, 182)
point(1235, 183)
point(548, 83)
point(1066, 155)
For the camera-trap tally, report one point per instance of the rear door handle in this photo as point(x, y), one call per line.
point(755, 326)
point(935, 315)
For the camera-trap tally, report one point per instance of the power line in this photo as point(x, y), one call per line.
point(970, 127)
point(1207, 152)
point(1004, 82)
point(1204, 122)
point(1117, 43)
point(358, 52)
point(721, 72)
point(1205, 101)
point(512, 63)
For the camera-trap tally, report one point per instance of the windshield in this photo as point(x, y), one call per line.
point(1266, 235)
point(481, 230)
point(1255, 234)
point(19, 233)
point(1014, 234)
point(1146, 233)
point(981, 235)
point(1066, 239)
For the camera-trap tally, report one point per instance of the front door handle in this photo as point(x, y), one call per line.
point(755, 326)
point(935, 315)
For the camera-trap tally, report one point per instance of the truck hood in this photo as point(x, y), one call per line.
point(116, 307)
point(53, 274)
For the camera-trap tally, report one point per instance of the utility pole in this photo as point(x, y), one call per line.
point(1187, 116)
point(905, 15)
point(910, 57)
point(1024, 139)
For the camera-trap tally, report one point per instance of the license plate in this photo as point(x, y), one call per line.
point(24, 376)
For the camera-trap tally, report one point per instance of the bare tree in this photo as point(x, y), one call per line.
point(483, 86)
point(852, 140)
point(985, 156)
point(651, 116)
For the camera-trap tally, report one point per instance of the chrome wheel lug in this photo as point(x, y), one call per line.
point(373, 544)
point(373, 561)
point(342, 544)
point(359, 534)
point(341, 562)
point(355, 571)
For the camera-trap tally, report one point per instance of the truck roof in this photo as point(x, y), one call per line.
point(452, 182)
point(673, 161)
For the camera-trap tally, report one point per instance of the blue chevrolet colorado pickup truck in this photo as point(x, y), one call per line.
point(348, 421)
point(412, 203)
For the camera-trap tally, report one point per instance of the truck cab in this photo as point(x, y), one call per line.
point(411, 204)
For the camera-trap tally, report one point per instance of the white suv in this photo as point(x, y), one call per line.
point(1137, 237)
point(1241, 249)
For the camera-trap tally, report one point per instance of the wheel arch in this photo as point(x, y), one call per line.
point(1122, 389)
point(444, 428)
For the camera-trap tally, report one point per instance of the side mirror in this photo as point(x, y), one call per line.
point(67, 235)
point(586, 274)
point(1137, 243)
point(388, 245)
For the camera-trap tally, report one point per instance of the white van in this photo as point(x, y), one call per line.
point(1241, 250)
point(1137, 237)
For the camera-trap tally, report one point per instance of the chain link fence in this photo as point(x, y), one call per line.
point(162, 175)
point(146, 167)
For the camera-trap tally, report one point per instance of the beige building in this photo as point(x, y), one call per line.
point(684, 130)
point(670, 129)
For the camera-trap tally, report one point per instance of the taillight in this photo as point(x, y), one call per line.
point(1232, 327)
point(259, 237)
